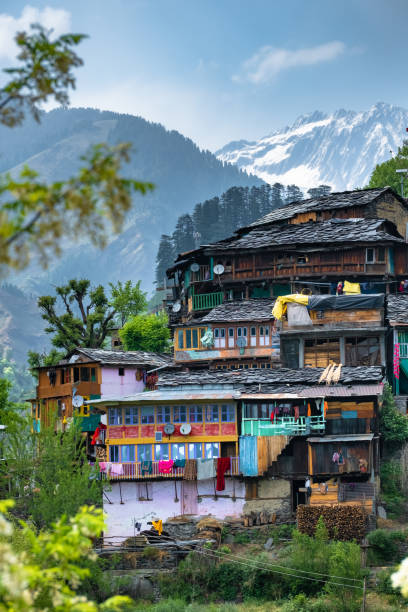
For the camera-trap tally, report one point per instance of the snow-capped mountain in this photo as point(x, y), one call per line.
point(340, 149)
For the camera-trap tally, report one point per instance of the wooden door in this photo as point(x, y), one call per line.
point(189, 497)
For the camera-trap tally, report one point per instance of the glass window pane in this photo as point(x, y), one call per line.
point(161, 452)
point(85, 374)
point(211, 450)
point(163, 414)
point(178, 451)
point(211, 413)
point(180, 339)
point(196, 414)
point(144, 452)
point(228, 413)
point(114, 453)
point(147, 415)
point(179, 414)
point(195, 450)
point(188, 338)
point(253, 331)
point(202, 331)
point(115, 416)
point(131, 415)
point(231, 332)
point(127, 452)
point(267, 330)
point(195, 338)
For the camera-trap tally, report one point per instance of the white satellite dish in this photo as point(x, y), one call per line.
point(73, 359)
point(77, 401)
point(194, 267)
point(242, 341)
point(185, 429)
point(219, 269)
point(176, 307)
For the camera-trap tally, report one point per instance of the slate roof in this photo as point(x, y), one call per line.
point(343, 199)
point(136, 358)
point(325, 232)
point(241, 310)
point(397, 308)
point(251, 379)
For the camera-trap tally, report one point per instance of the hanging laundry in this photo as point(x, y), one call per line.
point(103, 466)
point(351, 288)
point(335, 457)
point(296, 413)
point(205, 469)
point(158, 525)
point(190, 471)
point(279, 308)
point(223, 465)
point(101, 427)
point(272, 415)
point(179, 463)
point(396, 362)
point(165, 467)
point(146, 467)
point(116, 469)
point(339, 290)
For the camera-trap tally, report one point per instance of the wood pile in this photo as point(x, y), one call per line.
point(259, 518)
point(209, 529)
point(342, 522)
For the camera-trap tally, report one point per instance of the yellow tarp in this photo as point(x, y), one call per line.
point(279, 308)
point(350, 288)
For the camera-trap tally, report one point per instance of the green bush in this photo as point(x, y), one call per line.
point(242, 538)
point(384, 545)
point(391, 488)
point(150, 552)
point(393, 424)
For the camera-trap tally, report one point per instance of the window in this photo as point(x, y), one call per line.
point(363, 351)
point(227, 413)
point(131, 415)
point(179, 414)
point(196, 414)
point(319, 352)
point(381, 255)
point(212, 413)
point(195, 338)
point(219, 337)
point(147, 415)
point(180, 339)
point(127, 452)
point(195, 450)
point(230, 337)
point(85, 375)
point(242, 332)
point(253, 336)
point(163, 414)
point(264, 335)
point(370, 255)
point(59, 409)
point(144, 452)
point(93, 375)
point(161, 452)
point(115, 416)
point(114, 453)
point(178, 451)
point(211, 450)
point(76, 374)
point(188, 338)
point(121, 371)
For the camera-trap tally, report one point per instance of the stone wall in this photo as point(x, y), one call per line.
point(274, 496)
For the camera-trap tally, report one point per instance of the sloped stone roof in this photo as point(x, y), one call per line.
point(136, 358)
point(241, 310)
point(397, 308)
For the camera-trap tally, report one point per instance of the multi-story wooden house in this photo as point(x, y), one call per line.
point(356, 236)
point(397, 319)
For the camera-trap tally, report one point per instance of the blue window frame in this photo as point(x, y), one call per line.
point(228, 413)
point(127, 452)
point(115, 416)
point(195, 450)
point(178, 451)
point(212, 413)
point(147, 415)
point(114, 453)
point(144, 452)
point(131, 415)
point(211, 450)
point(163, 414)
point(179, 414)
point(161, 452)
point(196, 414)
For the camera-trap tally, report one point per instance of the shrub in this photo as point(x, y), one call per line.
point(391, 488)
point(384, 545)
point(393, 424)
point(150, 552)
point(242, 538)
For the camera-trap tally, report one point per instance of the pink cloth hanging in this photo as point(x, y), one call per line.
point(165, 467)
point(116, 469)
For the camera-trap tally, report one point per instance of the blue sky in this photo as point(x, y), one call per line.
point(221, 70)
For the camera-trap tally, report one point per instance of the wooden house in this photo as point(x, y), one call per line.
point(397, 319)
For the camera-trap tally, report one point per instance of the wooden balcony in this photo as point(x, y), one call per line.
point(132, 471)
point(207, 301)
point(283, 426)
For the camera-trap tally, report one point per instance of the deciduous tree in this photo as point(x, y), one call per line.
point(146, 333)
point(127, 300)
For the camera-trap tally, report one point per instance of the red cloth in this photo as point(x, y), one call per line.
point(98, 430)
point(272, 417)
point(223, 464)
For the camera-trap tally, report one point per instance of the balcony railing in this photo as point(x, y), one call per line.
point(132, 471)
point(284, 426)
point(206, 301)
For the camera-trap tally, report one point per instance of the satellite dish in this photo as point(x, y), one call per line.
point(176, 307)
point(242, 341)
point(219, 269)
point(169, 429)
point(77, 401)
point(185, 429)
point(73, 359)
point(194, 267)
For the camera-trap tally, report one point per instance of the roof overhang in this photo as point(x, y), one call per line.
point(356, 438)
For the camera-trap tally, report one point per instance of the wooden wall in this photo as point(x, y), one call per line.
point(321, 457)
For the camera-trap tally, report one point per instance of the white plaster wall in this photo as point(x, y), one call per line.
point(113, 384)
point(121, 517)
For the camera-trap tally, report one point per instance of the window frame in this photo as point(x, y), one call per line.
point(117, 410)
point(130, 447)
point(141, 447)
point(147, 412)
point(227, 412)
point(213, 410)
point(131, 411)
point(161, 410)
point(114, 450)
point(195, 445)
point(211, 455)
point(160, 457)
point(179, 445)
point(195, 413)
point(177, 411)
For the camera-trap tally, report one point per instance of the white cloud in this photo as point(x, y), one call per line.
point(266, 63)
point(58, 20)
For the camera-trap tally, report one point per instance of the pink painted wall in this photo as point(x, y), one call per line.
point(113, 384)
point(120, 517)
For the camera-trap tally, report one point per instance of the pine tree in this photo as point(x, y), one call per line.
point(165, 258)
point(277, 194)
point(293, 194)
point(183, 234)
point(320, 191)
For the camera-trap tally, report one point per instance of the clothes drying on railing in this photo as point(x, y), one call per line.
point(190, 471)
point(166, 466)
point(223, 465)
point(179, 463)
point(205, 469)
point(116, 469)
point(146, 467)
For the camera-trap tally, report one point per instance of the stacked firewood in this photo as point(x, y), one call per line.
point(259, 518)
point(209, 529)
point(342, 522)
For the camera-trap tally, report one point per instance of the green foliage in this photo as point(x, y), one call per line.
point(393, 424)
point(391, 488)
point(47, 573)
point(12, 415)
point(385, 174)
point(21, 381)
point(127, 300)
point(281, 532)
point(384, 546)
point(242, 537)
point(150, 552)
point(165, 258)
point(38, 360)
point(147, 332)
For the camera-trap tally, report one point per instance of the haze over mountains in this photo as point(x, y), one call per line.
point(340, 149)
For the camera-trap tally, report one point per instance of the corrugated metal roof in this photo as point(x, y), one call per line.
point(358, 438)
point(167, 396)
point(328, 391)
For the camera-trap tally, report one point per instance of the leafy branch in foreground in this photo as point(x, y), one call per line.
point(39, 217)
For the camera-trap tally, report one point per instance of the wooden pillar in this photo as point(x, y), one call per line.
point(301, 352)
point(343, 350)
